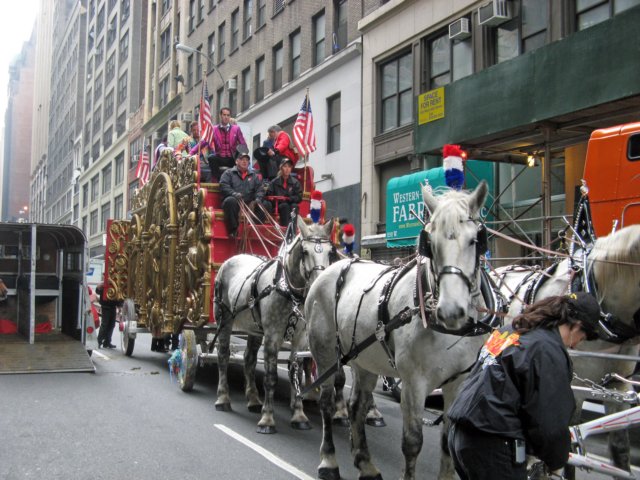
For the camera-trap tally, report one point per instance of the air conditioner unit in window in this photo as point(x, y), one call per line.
point(185, 117)
point(459, 29)
point(232, 84)
point(494, 13)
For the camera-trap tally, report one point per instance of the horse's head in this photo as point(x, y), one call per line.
point(312, 251)
point(613, 263)
point(453, 240)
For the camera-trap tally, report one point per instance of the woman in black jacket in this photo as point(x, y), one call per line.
point(518, 399)
point(286, 191)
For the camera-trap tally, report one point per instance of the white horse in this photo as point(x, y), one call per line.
point(614, 277)
point(352, 300)
point(265, 299)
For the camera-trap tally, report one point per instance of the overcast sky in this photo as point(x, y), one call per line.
point(18, 19)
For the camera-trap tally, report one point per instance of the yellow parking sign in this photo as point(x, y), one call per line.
point(431, 106)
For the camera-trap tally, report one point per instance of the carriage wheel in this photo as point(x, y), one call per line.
point(127, 323)
point(189, 364)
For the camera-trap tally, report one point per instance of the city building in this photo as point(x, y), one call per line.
point(113, 90)
point(259, 59)
point(62, 164)
point(41, 101)
point(16, 162)
point(515, 82)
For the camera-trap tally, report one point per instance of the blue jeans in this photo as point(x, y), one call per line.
point(483, 456)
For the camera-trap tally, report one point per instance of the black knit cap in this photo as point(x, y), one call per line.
point(584, 307)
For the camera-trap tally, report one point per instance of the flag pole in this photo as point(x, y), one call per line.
point(306, 156)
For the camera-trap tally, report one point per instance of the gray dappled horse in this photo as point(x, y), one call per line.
point(342, 309)
point(258, 296)
point(613, 266)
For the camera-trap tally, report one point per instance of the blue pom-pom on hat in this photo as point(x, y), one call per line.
point(453, 166)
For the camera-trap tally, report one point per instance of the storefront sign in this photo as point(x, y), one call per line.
point(431, 106)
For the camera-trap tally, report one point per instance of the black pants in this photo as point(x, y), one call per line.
point(231, 209)
point(482, 456)
point(107, 325)
point(217, 164)
point(284, 211)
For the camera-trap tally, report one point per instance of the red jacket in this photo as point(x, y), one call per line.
point(283, 146)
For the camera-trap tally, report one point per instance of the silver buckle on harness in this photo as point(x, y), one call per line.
point(251, 302)
point(380, 336)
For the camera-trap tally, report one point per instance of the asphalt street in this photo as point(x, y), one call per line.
point(130, 420)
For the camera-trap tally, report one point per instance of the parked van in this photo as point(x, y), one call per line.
point(95, 272)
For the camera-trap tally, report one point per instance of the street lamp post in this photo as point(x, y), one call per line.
point(184, 48)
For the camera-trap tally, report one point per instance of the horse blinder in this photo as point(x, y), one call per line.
point(424, 244)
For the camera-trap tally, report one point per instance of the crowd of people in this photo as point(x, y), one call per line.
point(269, 182)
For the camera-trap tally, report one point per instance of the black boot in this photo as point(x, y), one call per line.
point(154, 344)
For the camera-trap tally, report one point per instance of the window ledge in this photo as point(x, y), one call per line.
point(234, 51)
point(246, 40)
point(260, 28)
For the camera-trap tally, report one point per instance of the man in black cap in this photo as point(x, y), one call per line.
point(518, 399)
point(237, 184)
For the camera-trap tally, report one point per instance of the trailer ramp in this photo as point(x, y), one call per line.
point(51, 353)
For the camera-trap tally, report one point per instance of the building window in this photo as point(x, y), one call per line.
point(396, 93)
point(106, 179)
point(592, 12)
point(118, 206)
point(105, 214)
point(278, 59)
point(259, 79)
point(189, 72)
point(166, 5)
point(100, 21)
point(318, 38)
point(200, 11)
point(246, 88)
point(233, 98)
point(165, 44)
point(447, 60)
point(95, 183)
point(87, 103)
point(99, 54)
point(124, 47)
point(119, 169)
point(295, 54)
point(221, 43)
point(124, 10)
point(112, 31)
point(98, 88)
point(108, 105)
point(262, 13)
point(107, 138)
point(97, 120)
point(110, 68)
point(85, 195)
point(192, 15)
point(211, 46)
point(164, 91)
point(235, 29)
point(95, 151)
point(219, 100)
point(526, 31)
point(333, 127)
point(122, 88)
point(339, 25)
point(121, 123)
point(246, 23)
point(93, 225)
point(199, 65)
point(278, 6)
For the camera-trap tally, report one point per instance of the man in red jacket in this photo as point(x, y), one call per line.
point(282, 148)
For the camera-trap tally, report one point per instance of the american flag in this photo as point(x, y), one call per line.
point(206, 127)
point(142, 172)
point(303, 135)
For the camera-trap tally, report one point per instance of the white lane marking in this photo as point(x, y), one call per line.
point(101, 355)
point(265, 453)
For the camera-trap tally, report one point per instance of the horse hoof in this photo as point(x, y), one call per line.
point(301, 425)
point(376, 422)
point(255, 408)
point(266, 429)
point(329, 473)
point(341, 422)
point(223, 407)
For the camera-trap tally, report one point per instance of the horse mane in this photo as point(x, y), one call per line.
point(610, 253)
point(452, 210)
